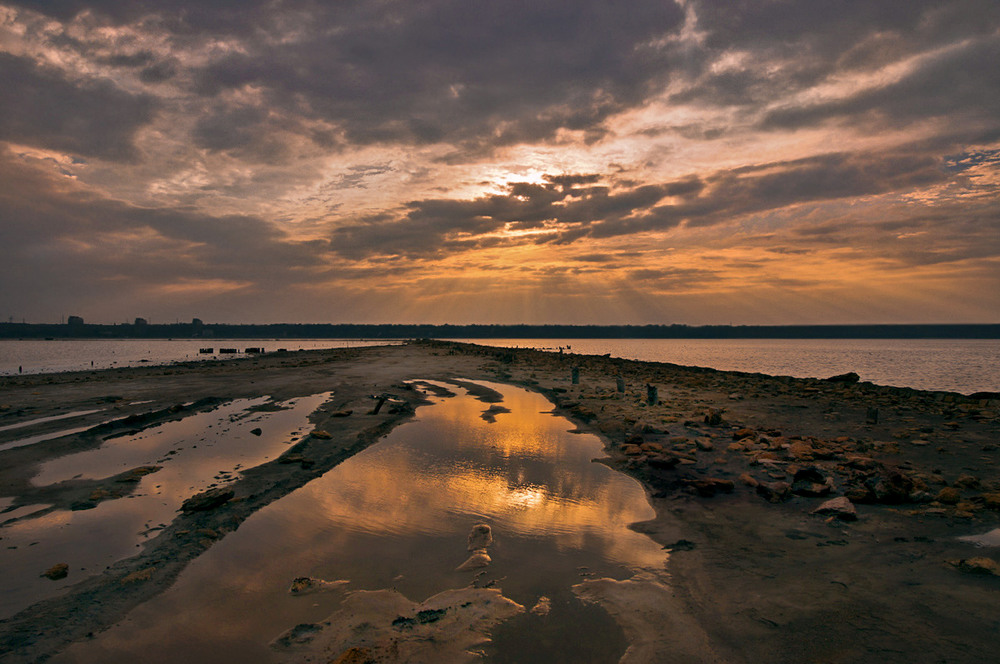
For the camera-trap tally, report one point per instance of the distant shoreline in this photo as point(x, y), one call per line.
point(209, 331)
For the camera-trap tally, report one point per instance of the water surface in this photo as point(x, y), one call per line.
point(397, 516)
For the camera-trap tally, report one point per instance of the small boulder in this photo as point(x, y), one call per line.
point(980, 566)
point(839, 507)
point(774, 492)
point(949, 496)
point(480, 537)
point(57, 571)
point(849, 377)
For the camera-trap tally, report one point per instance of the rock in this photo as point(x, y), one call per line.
point(810, 481)
point(542, 606)
point(809, 474)
point(480, 537)
point(981, 566)
point(631, 450)
point(322, 435)
point(663, 461)
point(992, 500)
point(258, 431)
point(304, 585)
point(948, 496)
point(774, 492)
point(57, 571)
point(478, 559)
point(714, 417)
point(740, 434)
point(208, 500)
point(849, 377)
point(355, 656)
point(801, 450)
point(839, 507)
point(704, 444)
point(811, 489)
point(749, 480)
point(708, 487)
point(651, 448)
point(342, 413)
point(968, 482)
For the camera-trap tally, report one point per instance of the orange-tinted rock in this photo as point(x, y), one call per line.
point(949, 496)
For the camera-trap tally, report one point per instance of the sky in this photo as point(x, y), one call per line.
point(507, 161)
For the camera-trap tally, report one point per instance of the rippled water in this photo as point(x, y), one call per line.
point(397, 516)
point(955, 365)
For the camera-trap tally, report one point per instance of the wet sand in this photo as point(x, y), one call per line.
point(734, 465)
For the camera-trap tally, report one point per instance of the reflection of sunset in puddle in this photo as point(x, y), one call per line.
point(397, 515)
point(194, 453)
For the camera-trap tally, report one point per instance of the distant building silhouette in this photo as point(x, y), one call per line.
point(75, 321)
point(141, 322)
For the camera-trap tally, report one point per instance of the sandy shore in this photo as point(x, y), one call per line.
point(734, 464)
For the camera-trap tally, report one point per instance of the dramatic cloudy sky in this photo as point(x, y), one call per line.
point(500, 161)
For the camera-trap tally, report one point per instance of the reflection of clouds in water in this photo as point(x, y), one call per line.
point(91, 539)
point(546, 485)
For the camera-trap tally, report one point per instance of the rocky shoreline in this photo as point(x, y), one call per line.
point(807, 519)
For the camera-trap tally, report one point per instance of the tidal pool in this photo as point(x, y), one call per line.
point(201, 450)
point(391, 524)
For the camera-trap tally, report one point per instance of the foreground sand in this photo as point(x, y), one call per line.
point(734, 464)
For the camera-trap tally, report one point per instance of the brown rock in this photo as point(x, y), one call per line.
point(801, 450)
point(631, 450)
point(774, 492)
point(749, 480)
point(968, 482)
point(949, 496)
point(322, 435)
point(740, 434)
point(840, 507)
point(57, 571)
point(992, 500)
point(981, 566)
point(663, 461)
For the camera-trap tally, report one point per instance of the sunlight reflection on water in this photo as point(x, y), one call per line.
point(397, 516)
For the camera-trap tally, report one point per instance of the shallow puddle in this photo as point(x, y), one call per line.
point(397, 516)
point(53, 418)
point(199, 451)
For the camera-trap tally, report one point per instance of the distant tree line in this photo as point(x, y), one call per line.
point(141, 329)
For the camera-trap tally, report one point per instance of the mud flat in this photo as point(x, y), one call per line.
point(739, 468)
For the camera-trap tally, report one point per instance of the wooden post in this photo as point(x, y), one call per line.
point(652, 397)
point(620, 383)
point(872, 415)
point(575, 373)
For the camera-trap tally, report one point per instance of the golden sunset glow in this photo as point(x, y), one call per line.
point(670, 162)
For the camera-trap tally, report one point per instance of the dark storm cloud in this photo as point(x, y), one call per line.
point(477, 73)
point(92, 118)
point(790, 47)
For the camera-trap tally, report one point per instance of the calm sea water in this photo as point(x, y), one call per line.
point(40, 356)
point(956, 365)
